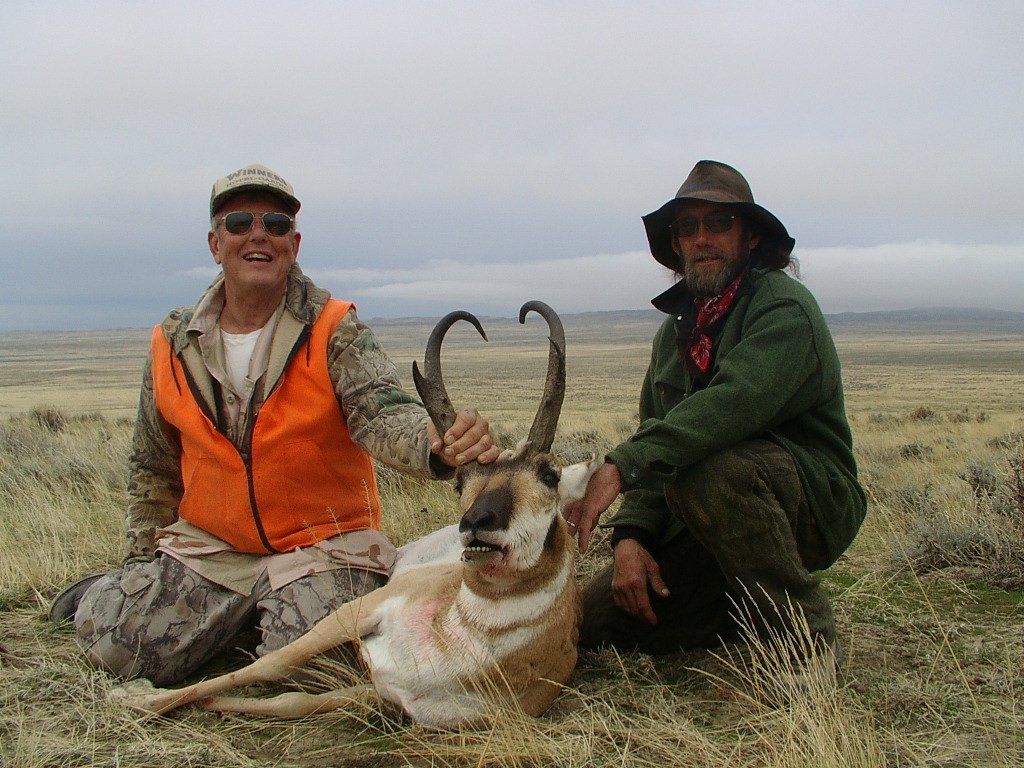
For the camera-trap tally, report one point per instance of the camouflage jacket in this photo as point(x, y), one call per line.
point(383, 419)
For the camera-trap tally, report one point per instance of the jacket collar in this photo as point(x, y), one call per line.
point(303, 301)
point(678, 301)
point(302, 298)
point(675, 301)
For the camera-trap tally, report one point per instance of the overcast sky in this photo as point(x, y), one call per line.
point(478, 154)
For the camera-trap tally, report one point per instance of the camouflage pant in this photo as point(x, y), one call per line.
point(162, 621)
point(750, 540)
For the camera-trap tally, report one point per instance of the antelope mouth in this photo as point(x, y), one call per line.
point(477, 549)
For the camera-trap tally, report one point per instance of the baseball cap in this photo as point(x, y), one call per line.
point(255, 177)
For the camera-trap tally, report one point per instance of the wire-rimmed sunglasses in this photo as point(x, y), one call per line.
point(240, 222)
point(716, 222)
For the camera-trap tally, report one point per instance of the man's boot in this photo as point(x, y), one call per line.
point(66, 603)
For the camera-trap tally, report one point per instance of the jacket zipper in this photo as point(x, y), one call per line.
point(247, 463)
point(246, 456)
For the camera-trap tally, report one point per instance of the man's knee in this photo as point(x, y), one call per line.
point(695, 615)
point(137, 622)
point(111, 628)
point(715, 495)
point(602, 619)
point(290, 612)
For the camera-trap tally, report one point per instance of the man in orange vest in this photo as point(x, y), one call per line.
point(252, 498)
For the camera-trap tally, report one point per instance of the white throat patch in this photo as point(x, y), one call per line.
point(516, 611)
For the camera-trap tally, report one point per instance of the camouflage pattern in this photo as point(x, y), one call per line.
point(388, 423)
point(160, 620)
point(383, 419)
point(289, 612)
point(154, 475)
point(750, 539)
point(215, 560)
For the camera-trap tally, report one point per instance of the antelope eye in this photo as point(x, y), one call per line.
point(549, 478)
point(458, 487)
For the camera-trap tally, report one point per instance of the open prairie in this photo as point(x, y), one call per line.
point(930, 599)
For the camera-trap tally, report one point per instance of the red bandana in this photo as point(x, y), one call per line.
point(709, 311)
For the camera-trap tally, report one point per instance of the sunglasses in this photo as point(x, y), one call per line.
point(717, 223)
point(240, 222)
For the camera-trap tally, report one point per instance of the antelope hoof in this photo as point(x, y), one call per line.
point(142, 696)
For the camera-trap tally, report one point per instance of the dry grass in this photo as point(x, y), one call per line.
point(930, 614)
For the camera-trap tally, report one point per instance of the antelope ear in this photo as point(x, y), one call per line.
point(575, 477)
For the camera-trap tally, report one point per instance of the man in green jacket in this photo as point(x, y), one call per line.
point(740, 480)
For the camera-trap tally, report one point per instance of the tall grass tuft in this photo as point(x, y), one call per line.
point(790, 681)
point(61, 499)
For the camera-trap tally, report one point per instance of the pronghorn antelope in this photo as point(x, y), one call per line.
point(478, 615)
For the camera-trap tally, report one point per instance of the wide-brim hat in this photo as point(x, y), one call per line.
point(253, 177)
point(714, 182)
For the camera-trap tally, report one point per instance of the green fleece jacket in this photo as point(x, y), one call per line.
point(774, 375)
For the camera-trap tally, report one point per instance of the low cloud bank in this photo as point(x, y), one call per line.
point(917, 274)
point(844, 279)
point(609, 281)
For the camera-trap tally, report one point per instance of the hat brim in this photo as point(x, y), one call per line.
point(291, 202)
point(659, 236)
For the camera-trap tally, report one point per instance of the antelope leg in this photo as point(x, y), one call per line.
point(349, 622)
point(294, 705)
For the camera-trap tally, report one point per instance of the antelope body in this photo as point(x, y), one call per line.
point(479, 615)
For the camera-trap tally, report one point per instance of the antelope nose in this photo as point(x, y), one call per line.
point(491, 511)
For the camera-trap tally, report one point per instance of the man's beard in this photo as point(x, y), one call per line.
point(702, 284)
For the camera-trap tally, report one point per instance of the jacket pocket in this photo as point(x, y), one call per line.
point(204, 488)
point(317, 481)
point(668, 395)
point(134, 580)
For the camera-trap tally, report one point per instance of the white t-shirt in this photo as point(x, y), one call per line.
point(238, 348)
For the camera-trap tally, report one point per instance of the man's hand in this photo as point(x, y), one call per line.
point(468, 439)
point(635, 573)
point(582, 515)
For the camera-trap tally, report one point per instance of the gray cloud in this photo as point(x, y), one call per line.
point(488, 134)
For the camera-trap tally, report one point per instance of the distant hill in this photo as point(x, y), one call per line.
point(931, 319)
point(639, 325)
point(622, 324)
point(625, 325)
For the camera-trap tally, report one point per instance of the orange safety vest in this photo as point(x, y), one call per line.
point(301, 479)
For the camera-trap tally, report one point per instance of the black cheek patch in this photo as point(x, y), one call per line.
point(549, 540)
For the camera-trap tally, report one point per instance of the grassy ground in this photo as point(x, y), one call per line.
point(930, 599)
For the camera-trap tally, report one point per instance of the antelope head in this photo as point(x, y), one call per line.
point(512, 506)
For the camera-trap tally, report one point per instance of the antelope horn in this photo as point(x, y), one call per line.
point(542, 433)
point(430, 384)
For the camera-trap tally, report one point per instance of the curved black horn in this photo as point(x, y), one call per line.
point(430, 384)
point(542, 433)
